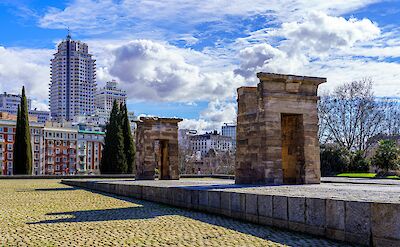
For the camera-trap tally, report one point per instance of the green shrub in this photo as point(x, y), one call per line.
point(387, 156)
point(334, 160)
point(358, 162)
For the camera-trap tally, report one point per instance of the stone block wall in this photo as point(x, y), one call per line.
point(277, 131)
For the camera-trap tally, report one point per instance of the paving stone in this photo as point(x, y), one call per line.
point(46, 213)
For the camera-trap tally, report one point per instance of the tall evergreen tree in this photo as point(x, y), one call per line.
point(22, 155)
point(129, 144)
point(113, 157)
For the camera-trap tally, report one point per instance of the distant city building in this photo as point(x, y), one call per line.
point(202, 144)
point(105, 98)
point(42, 116)
point(57, 148)
point(9, 103)
point(90, 146)
point(229, 129)
point(184, 137)
point(7, 138)
point(73, 81)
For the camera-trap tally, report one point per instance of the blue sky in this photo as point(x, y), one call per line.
point(186, 58)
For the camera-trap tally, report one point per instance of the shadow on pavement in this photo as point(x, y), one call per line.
point(148, 210)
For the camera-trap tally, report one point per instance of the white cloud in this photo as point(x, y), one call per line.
point(212, 118)
point(29, 67)
point(325, 46)
point(319, 33)
point(93, 17)
point(155, 71)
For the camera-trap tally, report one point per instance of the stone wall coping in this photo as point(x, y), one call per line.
point(158, 119)
point(290, 78)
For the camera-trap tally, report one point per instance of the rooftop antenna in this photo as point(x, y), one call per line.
point(68, 33)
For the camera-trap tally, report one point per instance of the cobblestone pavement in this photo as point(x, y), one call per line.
point(46, 213)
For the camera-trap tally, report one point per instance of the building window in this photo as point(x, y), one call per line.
point(9, 147)
point(10, 138)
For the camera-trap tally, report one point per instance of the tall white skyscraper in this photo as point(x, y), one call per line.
point(73, 81)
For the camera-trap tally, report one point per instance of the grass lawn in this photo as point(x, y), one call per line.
point(362, 175)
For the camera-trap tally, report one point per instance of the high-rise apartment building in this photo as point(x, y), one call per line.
point(105, 97)
point(73, 81)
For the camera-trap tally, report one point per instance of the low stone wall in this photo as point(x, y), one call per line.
point(362, 223)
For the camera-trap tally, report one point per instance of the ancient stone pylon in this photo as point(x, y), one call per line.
point(157, 148)
point(277, 131)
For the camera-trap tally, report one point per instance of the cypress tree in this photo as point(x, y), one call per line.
point(129, 144)
point(113, 157)
point(22, 155)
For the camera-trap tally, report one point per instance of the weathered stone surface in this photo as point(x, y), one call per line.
point(386, 223)
point(358, 222)
point(335, 214)
point(157, 148)
point(238, 205)
point(251, 208)
point(226, 203)
point(214, 201)
point(277, 126)
point(280, 207)
point(315, 216)
point(203, 199)
point(297, 209)
point(264, 205)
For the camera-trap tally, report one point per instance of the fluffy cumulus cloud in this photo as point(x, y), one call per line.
point(319, 33)
point(321, 45)
point(28, 67)
point(212, 118)
point(161, 72)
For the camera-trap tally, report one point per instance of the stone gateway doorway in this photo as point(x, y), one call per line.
point(277, 131)
point(292, 148)
point(157, 148)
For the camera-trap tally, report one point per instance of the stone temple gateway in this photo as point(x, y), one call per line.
point(157, 148)
point(277, 131)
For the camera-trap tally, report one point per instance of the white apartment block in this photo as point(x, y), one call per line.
point(105, 97)
point(73, 81)
point(9, 103)
point(202, 144)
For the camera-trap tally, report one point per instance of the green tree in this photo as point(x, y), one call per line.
point(129, 145)
point(387, 156)
point(22, 156)
point(113, 157)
